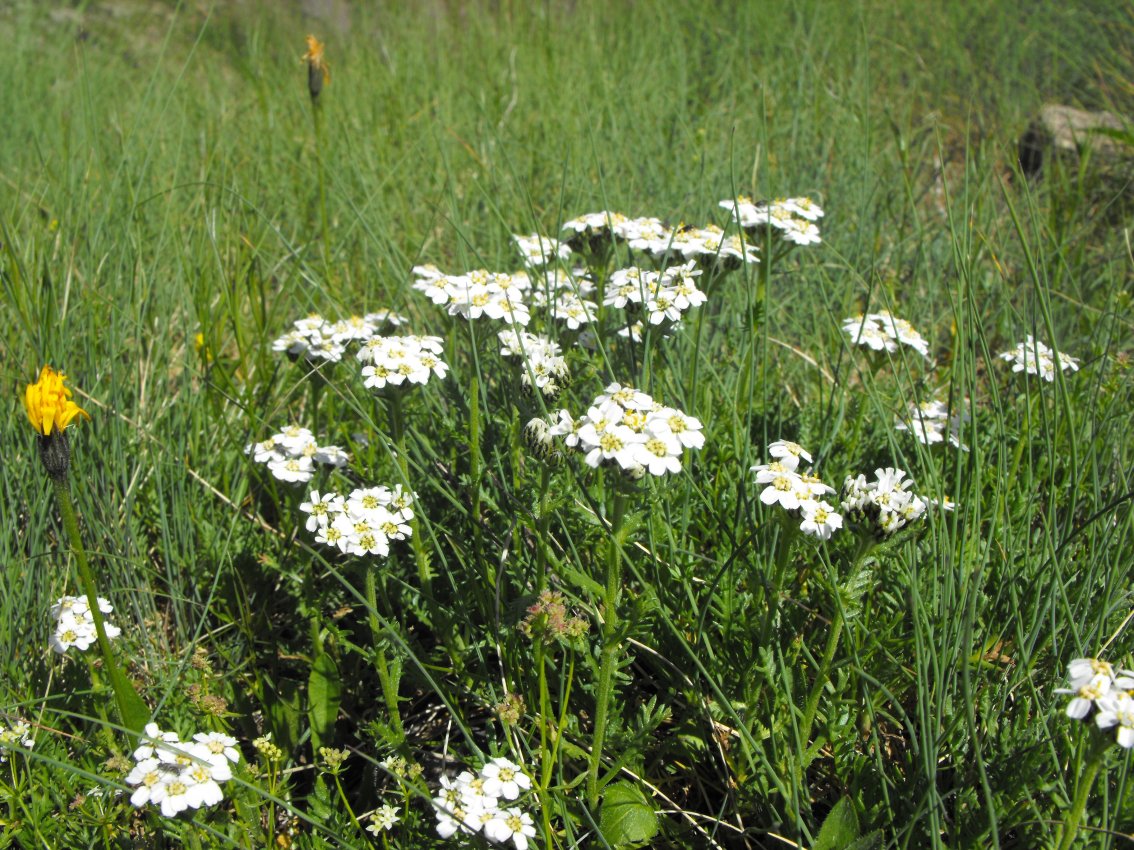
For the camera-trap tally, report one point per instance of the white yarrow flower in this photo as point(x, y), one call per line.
point(1035, 358)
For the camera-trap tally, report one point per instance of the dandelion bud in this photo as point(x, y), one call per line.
point(55, 454)
point(317, 70)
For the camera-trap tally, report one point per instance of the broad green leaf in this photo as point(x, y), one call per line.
point(840, 829)
point(868, 842)
point(324, 690)
point(627, 816)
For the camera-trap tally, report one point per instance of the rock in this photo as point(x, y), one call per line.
point(1063, 131)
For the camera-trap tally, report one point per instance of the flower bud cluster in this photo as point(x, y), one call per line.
point(75, 625)
point(1104, 693)
point(362, 523)
point(478, 803)
point(397, 360)
point(1034, 358)
point(543, 363)
point(625, 426)
point(791, 219)
point(883, 332)
point(291, 454)
point(320, 340)
point(549, 620)
point(797, 491)
point(179, 775)
point(884, 505)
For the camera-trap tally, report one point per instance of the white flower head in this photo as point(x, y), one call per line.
point(884, 332)
point(75, 626)
point(384, 818)
point(504, 778)
point(510, 824)
point(1034, 358)
point(882, 506)
point(538, 250)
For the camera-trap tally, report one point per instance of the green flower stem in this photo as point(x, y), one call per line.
point(315, 390)
point(788, 532)
point(610, 644)
point(811, 707)
point(548, 759)
point(474, 452)
point(317, 121)
point(389, 685)
point(398, 429)
point(346, 802)
point(135, 714)
point(543, 520)
point(1096, 755)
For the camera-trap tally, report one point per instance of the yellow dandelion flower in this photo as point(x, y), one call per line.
point(49, 403)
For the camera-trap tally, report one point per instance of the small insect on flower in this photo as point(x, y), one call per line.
point(318, 72)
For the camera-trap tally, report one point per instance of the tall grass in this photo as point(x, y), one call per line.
point(159, 180)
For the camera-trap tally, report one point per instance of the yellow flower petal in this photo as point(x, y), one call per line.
point(48, 403)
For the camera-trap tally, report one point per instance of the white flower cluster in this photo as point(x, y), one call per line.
point(1035, 358)
point(652, 237)
point(472, 803)
point(318, 339)
point(542, 360)
point(396, 360)
point(16, 735)
point(179, 775)
point(792, 219)
point(478, 293)
point(291, 454)
point(595, 224)
point(883, 332)
point(796, 490)
point(665, 294)
point(885, 504)
point(74, 623)
point(565, 295)
point(510, 297)
point(541, 250)
point(931, 423)
point(1108, 693)
point(362, 523)
point(627, 427)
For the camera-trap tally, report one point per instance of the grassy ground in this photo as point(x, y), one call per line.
point(163, 175)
